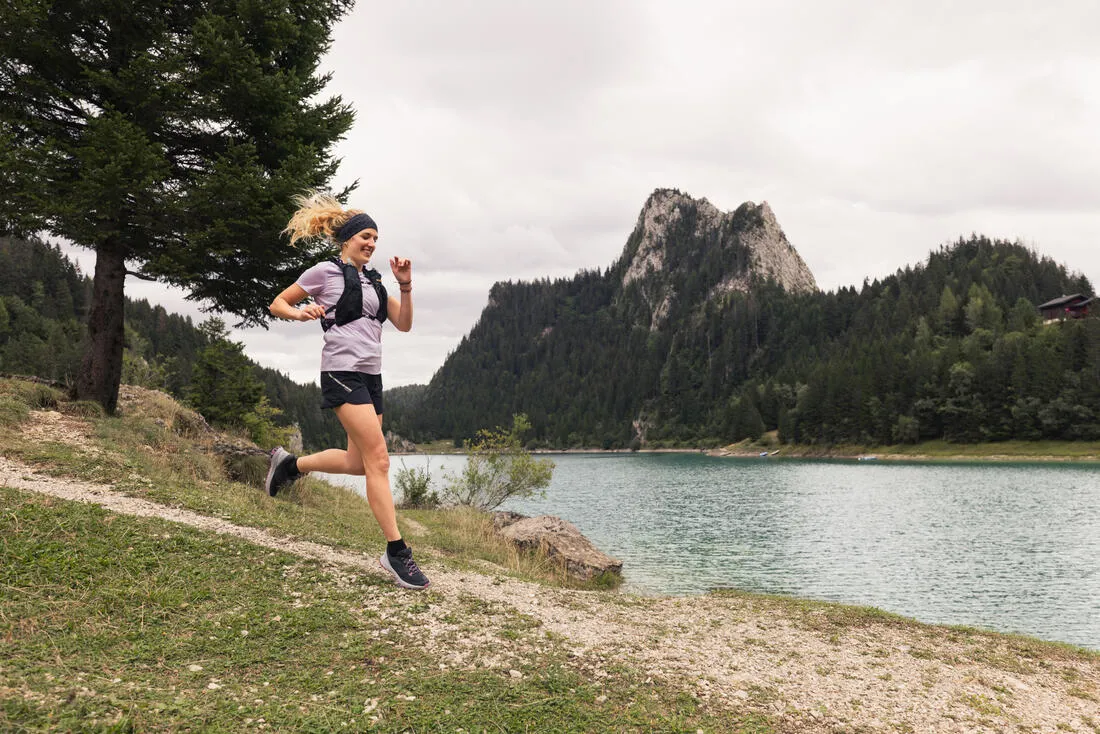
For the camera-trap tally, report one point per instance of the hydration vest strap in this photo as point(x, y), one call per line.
point(350, 305)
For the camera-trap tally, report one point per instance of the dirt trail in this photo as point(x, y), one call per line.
point(735, 652)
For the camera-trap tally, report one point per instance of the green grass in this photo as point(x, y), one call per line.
point(1009, 449)
point(1012, 653)
point(159, 453)
point(13, 412)
point(34, 394)
point(103, 617)
point(115, 623)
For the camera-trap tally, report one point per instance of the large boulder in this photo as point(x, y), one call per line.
point(399, 445)
point(561, 541)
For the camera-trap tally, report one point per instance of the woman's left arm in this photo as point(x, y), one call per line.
point(401, 311)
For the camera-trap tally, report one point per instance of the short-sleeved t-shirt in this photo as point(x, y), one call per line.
point(355, 346)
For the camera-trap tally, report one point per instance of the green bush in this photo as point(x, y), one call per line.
point(416, 487)
point(250, 469)
point(498, 468)
point(261, 427)
point(34, 395)
point(906, 430)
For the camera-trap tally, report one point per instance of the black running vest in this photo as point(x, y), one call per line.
point(350, 306)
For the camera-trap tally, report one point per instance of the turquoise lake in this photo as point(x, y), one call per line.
point(1009, 547)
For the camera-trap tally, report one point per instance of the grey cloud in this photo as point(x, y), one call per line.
point(514, 57)
point(505, 140)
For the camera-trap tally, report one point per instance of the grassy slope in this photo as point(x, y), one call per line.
point(110, 622)
point(115, 623)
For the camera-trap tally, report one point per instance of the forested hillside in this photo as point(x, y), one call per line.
point(952, 348)
point(43, 302)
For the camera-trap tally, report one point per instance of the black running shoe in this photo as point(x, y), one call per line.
point(404, 569)
point(279, 471)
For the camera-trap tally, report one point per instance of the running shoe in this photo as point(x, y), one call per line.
point(404, 569)
point(278, 471)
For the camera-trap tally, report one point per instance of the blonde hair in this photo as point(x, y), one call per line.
point(319, 214)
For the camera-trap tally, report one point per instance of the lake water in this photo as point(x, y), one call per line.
point(1010, 547)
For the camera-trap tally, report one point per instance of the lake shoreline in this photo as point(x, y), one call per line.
point(804, 452)
point(768, 446)
point(892, 457)
point(227, 583)
point(788, 663)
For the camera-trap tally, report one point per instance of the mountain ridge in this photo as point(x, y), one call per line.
point(709, 329)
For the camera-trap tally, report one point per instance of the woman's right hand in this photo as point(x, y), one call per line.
point(311, 312)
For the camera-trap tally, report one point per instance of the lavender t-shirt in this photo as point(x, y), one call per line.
point(353, 347)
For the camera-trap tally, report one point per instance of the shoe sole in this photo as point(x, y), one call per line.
point(384, 562)
point(276, 459)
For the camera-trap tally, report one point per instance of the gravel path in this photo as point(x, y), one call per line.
point(731, 651)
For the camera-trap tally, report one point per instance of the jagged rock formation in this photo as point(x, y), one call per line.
point(655, 343)
point(745, 245)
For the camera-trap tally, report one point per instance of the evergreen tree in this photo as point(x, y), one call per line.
point(904, 358)
point(223, 386)
point(169, 136)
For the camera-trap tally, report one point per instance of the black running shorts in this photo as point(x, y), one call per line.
point(357, 388)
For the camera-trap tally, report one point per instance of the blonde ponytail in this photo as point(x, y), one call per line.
point(318, 214)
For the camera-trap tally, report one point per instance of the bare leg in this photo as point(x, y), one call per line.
point(365, 439)
point(335, 461)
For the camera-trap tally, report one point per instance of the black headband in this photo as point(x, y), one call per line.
point(354, 226)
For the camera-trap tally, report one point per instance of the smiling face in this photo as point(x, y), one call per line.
point(359, 248)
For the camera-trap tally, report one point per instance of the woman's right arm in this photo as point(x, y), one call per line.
point(284, 305)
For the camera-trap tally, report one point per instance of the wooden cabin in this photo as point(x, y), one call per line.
point(1066, 307)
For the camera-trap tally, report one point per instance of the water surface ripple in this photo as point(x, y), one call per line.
point(1010, 547)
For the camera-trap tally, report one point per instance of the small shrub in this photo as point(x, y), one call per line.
point(498, 468)
point(416, 487)
point(606, 580)
point(260, 425)
point(248, 469)
point(906, 430)
point(136, 370)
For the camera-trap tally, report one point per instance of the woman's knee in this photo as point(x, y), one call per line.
point(353, 467)
point(378, 459)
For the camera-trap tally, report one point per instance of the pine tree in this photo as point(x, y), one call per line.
point(168, 136)
point(224, 387)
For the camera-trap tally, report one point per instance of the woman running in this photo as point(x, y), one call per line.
point(351, 302)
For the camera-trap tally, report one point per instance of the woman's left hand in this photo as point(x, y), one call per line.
point(402, 268)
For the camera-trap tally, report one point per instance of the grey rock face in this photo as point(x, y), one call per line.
point(748, 243)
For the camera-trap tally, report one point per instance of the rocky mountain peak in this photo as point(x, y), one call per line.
point(673, 228)
point(773, 255)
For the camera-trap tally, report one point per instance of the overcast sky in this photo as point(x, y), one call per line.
point(516, 140)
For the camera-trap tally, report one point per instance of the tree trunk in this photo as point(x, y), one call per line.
point(101, 370)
